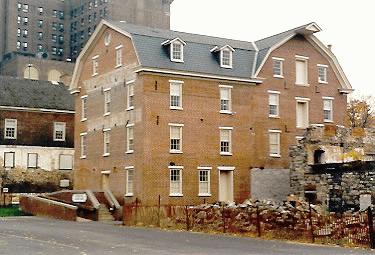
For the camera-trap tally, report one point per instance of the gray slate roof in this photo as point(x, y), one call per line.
point(17, 92)
point(197, 55)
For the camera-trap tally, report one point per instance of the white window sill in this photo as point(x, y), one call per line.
point(275, 155)
point(118, 66)
point(204, 195)
point(84, 119)
point(303, 85)
point(129, 152)
point(328, 121)
point(107, 114)
point(323, 82)
point(94, 74)
point(226, 112)
point(227, 67)
point(176, 195)
point(177, 60)
point(274, 116)
point(59, 140)
point(130, 108)
point(129, 194)
point(226, 154)
point(176, 108)
point(11, 138)
point(106, 154)
point(278, 76)
point(175, 152)
point(83, 157)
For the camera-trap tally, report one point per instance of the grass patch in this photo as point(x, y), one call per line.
point(11, 211)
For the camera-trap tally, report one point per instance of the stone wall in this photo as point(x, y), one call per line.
point(335, 162)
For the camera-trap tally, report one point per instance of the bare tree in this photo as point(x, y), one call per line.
point(360, 113)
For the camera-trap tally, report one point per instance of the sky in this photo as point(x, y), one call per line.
point(346, 24)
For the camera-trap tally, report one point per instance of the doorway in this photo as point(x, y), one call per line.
point(225, 186)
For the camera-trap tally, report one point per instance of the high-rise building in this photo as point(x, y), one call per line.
point(40, 38)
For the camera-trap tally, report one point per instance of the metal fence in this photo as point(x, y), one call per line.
point(348, 229)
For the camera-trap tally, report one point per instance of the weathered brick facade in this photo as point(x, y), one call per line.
point(200, 116)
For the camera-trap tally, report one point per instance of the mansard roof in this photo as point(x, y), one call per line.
point(34, 94)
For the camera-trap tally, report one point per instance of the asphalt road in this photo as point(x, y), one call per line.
point(32, 235)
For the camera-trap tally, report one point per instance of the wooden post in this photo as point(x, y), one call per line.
point(136, 211)
point(223, 216)
point(187, 218)
point(159, 204)
point(258, 222)
point(311, 224)
point(371, 227)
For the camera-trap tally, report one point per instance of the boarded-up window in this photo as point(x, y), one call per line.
point(302, 114)
point(32, 160)
point(301, 72)
point(66, 162)
point(9, 158)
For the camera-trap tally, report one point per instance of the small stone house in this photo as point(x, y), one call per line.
point(337, 165)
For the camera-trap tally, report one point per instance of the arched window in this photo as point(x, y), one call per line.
point(54, 75)
point(31, 73)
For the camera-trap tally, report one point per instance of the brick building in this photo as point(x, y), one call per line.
point(188, 117)
point(44, 36)
point(36, 125)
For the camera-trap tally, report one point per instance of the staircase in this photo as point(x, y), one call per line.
point(104, 214)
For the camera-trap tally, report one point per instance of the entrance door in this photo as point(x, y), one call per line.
point(226, 186)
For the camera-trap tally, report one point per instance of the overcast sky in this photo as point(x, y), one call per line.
point(348, 25)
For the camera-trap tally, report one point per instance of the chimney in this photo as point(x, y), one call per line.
point(329, 47)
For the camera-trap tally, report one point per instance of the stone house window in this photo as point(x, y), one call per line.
point(175, 181)
point(328, 109)
point(175, 138)
point(204, 181)
point(177, 52)
point(32, 160)
point(95, 65)
point(10, 129)
point(130, 138)
point(225, 99)
point(129, 181)
point(277, 66)
point(9, 159)
point(83, 143)
point(302, 112)
point(107, 102)
point(302, 70)
point(226, 57)
point(322, 74)
point(130, 101)
point(274, 143)
point(273, 103)
point(118, 56)
point(59, 131)
point(84, 108)
point(175, 91)
point(226, 140)
point(106, 142)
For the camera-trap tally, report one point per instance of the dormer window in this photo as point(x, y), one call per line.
point(176, 49)
point(226, 55)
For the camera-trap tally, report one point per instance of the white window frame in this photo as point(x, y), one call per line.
point(95, 65)
point(55, 124)
point(277, 153)
point(84, 108)
point(229, 89)
point(325, 72)
point(36, 160)
point(171, 126)
point(129, 150)
point(107, 101)
point(230, 130)
point(71, 162)
point(277, 94)
point(83, 145)
point(281, 61)
point(307, 101)
point(179, 193)
point(306, 61)
point(208, 170)
point(106, 142)
point(129, 192)
point(179, 84)
point(130, 95)
point(13, 161)
point(119, 54)
point(181, 59)
point(222, 64)
point(7, 124)
point(330, 99)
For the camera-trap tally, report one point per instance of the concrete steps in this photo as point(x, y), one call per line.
point(104, 214)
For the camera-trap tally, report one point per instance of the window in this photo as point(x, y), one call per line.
point(273, 102)
point(40, 48)
point(226, 140)
point(175, 94)
point(328, 109)
point(54, 38)
point(84, 108)
point(25, 45)
point(225, 99)
point(130, 138)
point(107, 102)
point(119, 56)
point(322, 74)
point(40, 35)
point(175, 138)
point(129, 180)
point(274, 141)
point(301, 70)
point(25, 8)
point(204, 181)
point(40, 10)
point(83, 137)
point(25, 20)
point(66, 162)
point(106, 138)
point(302, 112)
point(95, 65)
point(9, 159)
point(175, 185)
point(226, 56)
point(40, 23)
point(130, 95)
point(18, 32)
point(54, 13)
point(59, 131)
point(177, 51)
point(18, 45)
point(25, 32)
point(19, 6)
point(278, 67)
point(18, 20)
point(32, 160)
point(10, 129)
